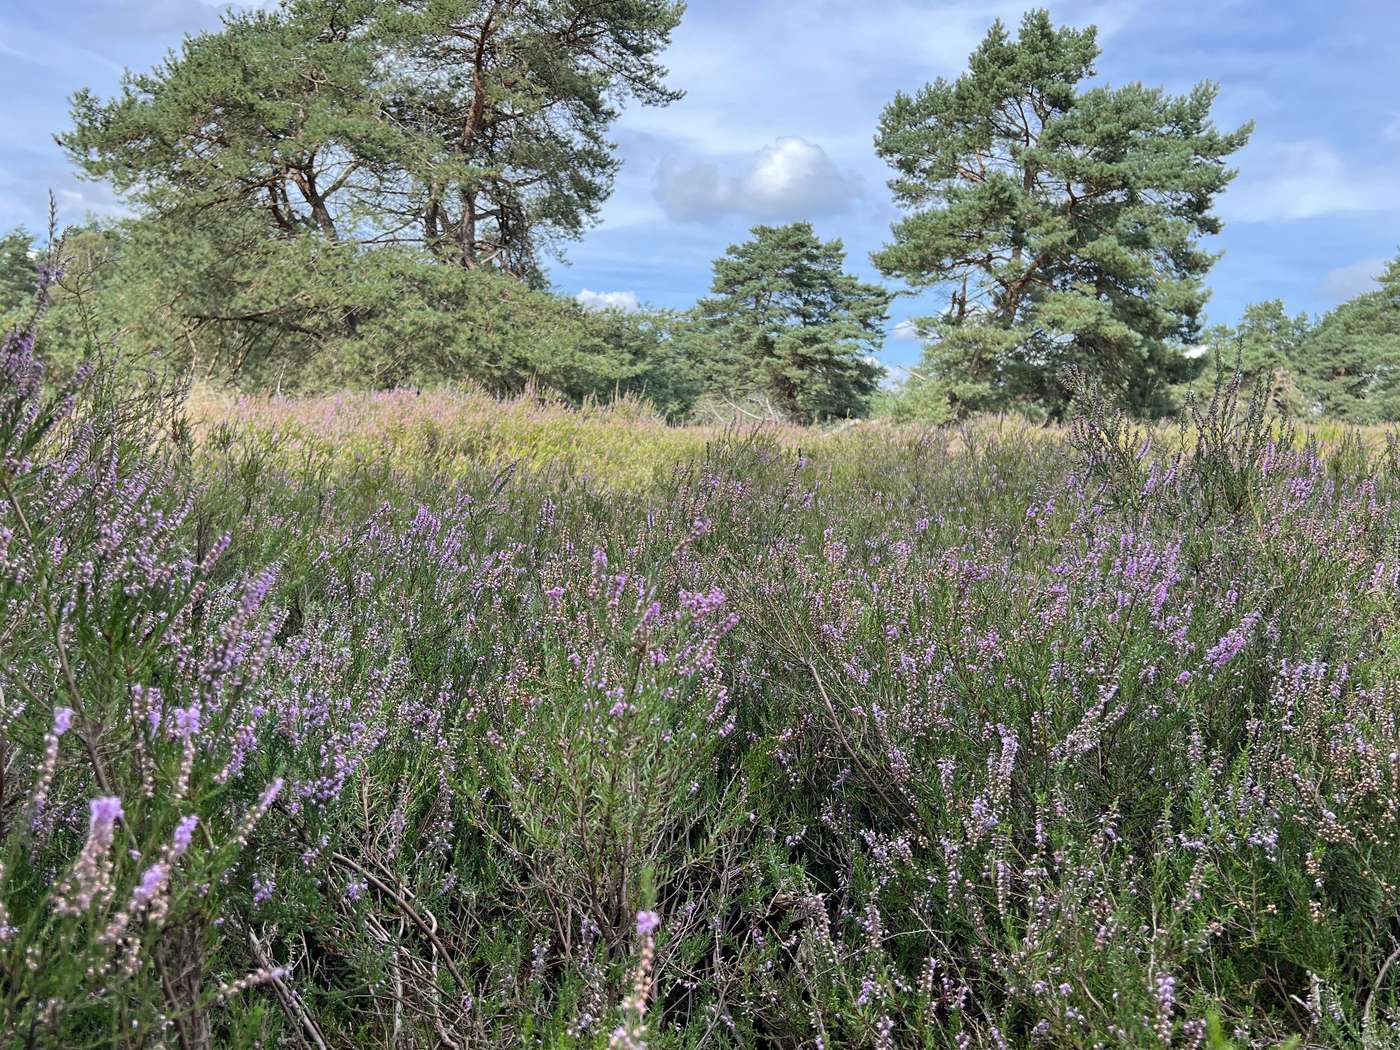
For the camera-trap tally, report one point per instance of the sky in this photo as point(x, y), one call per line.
point(781, 105)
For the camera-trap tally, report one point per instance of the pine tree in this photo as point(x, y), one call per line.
point(305, 168)
point(1064, 222)
point(16, 271)
point(1351, 362)
point(476, 127)
point(792, 324)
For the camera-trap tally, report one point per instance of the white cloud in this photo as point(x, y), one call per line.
point(1284, 182)
point(625, 301)
point(790, 179)
point(1347, 282)
point(905, 331)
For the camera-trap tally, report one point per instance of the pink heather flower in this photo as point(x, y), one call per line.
point(263, 889)
point(269, 795)
point(252, 980)
point(186, 721)
point(256, 813)
point(62, 722)
point(647, 921)
point(90, 879)
point(701, 603)
point(105, 811)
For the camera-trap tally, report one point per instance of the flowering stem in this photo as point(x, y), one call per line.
point(85, 728)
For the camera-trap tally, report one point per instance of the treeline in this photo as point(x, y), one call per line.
point(787, 333)
point(362, 193)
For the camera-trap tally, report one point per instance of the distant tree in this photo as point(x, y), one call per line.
point(1351, 361)
point(272, 160)
point(1264, 347)
point(17, 270)
point(791, 323)
point(1064, 222)
point(918, 398)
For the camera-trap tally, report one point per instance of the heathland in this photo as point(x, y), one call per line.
point(421, 719)
point(396, 653)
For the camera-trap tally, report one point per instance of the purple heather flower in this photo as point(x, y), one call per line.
point(647, 921)
point(62, 720)
point(151, 882)
point(184, 834)
point(105, 810)
point(263, 889)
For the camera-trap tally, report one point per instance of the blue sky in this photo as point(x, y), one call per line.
point(781, 106)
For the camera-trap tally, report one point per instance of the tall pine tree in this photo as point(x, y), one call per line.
point(306, 168)
point(1064, 223)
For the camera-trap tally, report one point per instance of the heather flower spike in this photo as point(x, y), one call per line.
point(647, 921)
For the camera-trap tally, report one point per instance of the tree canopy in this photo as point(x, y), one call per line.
point(1064, 222)
point(1264, 348)
point(1351, 361)
point(476, 128)
point(792, 324)
point(16, 270)
point(312, 180)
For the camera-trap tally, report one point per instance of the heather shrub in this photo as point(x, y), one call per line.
point(419, 720)
point(132, 689)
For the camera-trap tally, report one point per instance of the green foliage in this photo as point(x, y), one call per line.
point(1263, 348)
point(325, 316)
point(793, 325)
point(919, 398)
point(473, 128)
point(1066, 222)
point(16, 272)
point(1351, 361)
point(972, 737)
point(330, 191)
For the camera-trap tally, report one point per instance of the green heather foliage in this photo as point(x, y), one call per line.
point(1065, 222)
point(790, 324)
point(419, 720)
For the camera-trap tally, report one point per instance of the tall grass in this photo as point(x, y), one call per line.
point(419, 720)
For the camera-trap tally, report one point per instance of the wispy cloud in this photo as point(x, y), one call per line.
point(1285, 182)
point(627, 302)
point(905, 331)
point(1346, 282)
